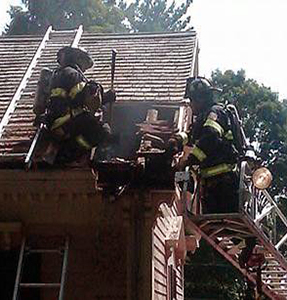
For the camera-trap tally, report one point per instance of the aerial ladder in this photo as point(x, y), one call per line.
point(256, 221)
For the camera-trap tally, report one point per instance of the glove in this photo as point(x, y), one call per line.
point(40, 119)
point(172, 146)
point(109, 97)
point(93, 87)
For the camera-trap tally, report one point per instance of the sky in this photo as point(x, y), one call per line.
point(235, 34)
point(244, 34)
point(4, 6)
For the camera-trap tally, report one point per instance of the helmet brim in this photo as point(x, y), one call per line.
point(187, 87)
point(81, 57)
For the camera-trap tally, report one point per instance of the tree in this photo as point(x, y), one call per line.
point(35, 16)
point(208, 275)
point(156, 16)
point(264, 119)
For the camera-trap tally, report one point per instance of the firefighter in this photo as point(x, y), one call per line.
point(209, 145)
point(71, 103)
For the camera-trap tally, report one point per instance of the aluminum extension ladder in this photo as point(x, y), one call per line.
point(24, 251)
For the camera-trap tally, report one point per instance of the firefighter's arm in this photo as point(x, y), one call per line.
point(177, 142)
point(183, 160)
point(93, 96)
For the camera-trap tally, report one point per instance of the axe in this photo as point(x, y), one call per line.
point(113, 66)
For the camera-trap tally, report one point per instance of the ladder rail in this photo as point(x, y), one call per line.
point(78, 36)
point(34, 144)
point(261, 206)
point(24, 250)
point(64, 269)
point(23, 82)
point(19, 270)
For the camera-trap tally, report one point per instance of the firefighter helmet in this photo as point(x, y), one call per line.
point(199, 89)
point(74, 56)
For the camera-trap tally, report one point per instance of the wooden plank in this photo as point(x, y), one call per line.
point(160, 249)
point(159, 266)
point(160, 280)
point(162, 224)
point(160, 289)
point(159, 240)
point(158, 296)
point(159, 233)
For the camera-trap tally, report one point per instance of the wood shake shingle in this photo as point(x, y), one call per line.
point(149, 68)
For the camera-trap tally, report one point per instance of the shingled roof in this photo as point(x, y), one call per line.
point(149, 67)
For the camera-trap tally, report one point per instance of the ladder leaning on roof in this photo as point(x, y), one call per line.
point(37, 137)
point(24, 82)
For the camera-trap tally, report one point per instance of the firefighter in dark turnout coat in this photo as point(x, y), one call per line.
point(210, 145)
point(73, 101)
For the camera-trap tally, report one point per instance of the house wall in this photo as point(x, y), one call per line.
point(110, 254)
point(168, 278)
point(97, 264)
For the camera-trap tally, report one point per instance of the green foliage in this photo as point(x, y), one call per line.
point(36, 16)
point(156, 16)
point(209, 276)
point(264, 118)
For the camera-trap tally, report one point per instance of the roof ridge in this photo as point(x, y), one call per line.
point(142, 34)
point(191, 33)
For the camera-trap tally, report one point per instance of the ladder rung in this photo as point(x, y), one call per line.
point(43, 251)
point(279, 290)
point(40, 285)
point(274, 278)
point(280, 277)
point(274, 272)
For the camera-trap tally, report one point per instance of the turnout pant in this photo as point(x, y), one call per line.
point(220, 194)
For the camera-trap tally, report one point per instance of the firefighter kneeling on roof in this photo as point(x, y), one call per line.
point(210, 145)
point(68, 102)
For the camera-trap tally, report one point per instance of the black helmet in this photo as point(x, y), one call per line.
point(199, 89)
point(74, 56)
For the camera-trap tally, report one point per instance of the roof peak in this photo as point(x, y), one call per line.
point(142, 34)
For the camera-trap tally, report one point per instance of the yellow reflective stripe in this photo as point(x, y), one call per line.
point(80, 139)
point(211, 123)
point(58, 92)
point(60, 121)
point(77, 89)
point(228, 135)
point(184, 137)
point(198, 153)
point(216, 170)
